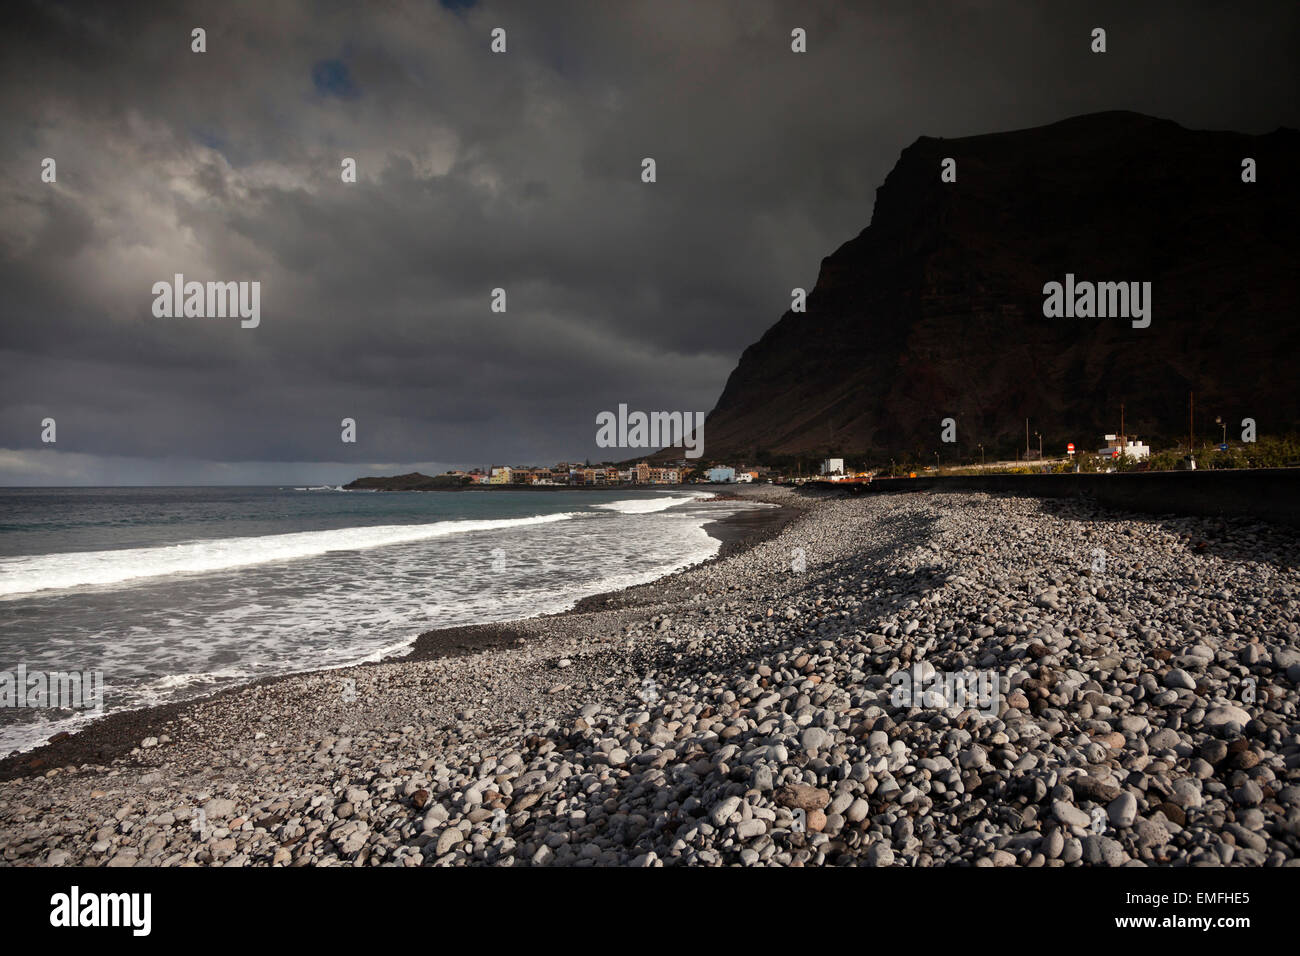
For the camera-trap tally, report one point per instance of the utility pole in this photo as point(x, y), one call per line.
point(1026, 438)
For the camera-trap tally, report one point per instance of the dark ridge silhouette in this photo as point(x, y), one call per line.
point(936, 309)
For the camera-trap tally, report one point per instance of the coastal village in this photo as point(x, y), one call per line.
point(686, 472)
point(606, 474)
point(682, 472)
point(1121, 451)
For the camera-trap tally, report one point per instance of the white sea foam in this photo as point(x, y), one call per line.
point(173, 639)
point(27, 574)
point(641, 506)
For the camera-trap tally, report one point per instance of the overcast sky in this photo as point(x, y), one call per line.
point(477, 170)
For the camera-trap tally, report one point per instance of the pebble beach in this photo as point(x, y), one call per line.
point(746, 711)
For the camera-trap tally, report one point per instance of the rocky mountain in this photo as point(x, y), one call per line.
point(936, 309)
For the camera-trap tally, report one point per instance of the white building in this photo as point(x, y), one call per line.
point(1116, 446)
point(832, 466)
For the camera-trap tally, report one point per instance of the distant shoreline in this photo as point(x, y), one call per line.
point(503, 487)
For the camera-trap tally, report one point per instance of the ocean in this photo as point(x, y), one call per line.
point(173, 593)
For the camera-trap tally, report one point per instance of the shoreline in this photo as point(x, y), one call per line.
point(745, 711)
point(621, 487)
point(115, 735)
point(736, 533)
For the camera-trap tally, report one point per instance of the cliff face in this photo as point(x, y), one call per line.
point(936, 309)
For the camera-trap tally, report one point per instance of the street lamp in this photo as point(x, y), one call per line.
point(981, 454)
point(1218, 419)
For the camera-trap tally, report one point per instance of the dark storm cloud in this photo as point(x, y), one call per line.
point(476, 171)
